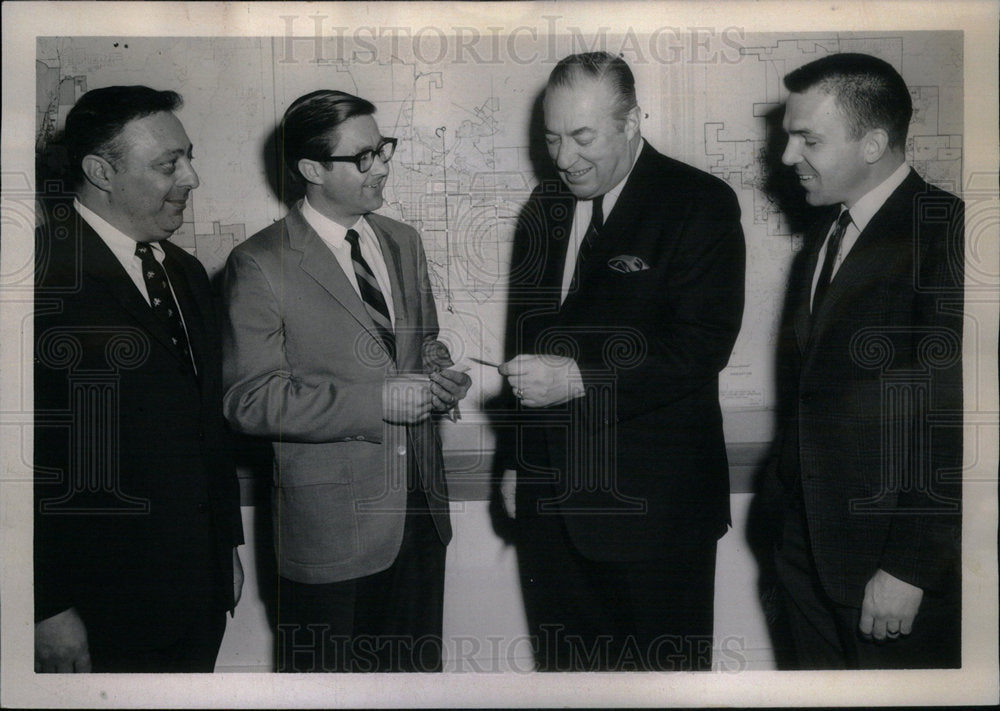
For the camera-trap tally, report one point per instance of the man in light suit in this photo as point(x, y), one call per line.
point(626, 299)
point(137, 510)
point(870, 454)
point(331, 326)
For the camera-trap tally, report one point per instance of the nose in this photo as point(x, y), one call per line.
point(791, 154)
point(564, 155)
point(379, 166)
point(188, 177)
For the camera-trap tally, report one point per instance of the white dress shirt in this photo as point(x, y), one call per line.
point(861, 214)
point(581, 223)
point(334, 236)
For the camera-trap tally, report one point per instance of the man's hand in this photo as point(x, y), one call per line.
point(448, 386)
point(237, 577)
point(407, 399)
point(889, 607)
point(542, 380)
point(508, 487)
point(61, 644)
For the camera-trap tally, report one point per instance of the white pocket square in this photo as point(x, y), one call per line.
point(626, 263)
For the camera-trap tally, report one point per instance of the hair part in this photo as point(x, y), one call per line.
point(869, 91)
point(94, 126)
point(309, 126)
point(598, 67)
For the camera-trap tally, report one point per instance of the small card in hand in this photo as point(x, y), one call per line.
point(437, 357)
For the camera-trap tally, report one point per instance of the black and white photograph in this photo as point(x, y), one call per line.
point(499, 354)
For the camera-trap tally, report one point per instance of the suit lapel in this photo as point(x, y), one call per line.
point(621, 222)
point(557, 221)
point(101, 265)
point(316, 260)
point(803, 287)
point(194, 320)
point(871, 253)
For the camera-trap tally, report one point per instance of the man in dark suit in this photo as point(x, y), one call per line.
point(330, 338)
point(626, 299)
point(870, 452)
point(137, 514)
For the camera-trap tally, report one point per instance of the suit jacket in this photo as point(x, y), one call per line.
point(638, 466)
point(137, 502)
point(305, 368)
point(871, 444)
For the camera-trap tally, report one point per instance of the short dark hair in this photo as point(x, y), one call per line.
point(309, 127)
point(598, 66)
point(95, 124)
point(869, 91)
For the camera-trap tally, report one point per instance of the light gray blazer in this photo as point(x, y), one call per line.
point(305, 368)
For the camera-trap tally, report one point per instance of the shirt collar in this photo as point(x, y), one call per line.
point(872, 201)
point(333, 233)
point(117, 241)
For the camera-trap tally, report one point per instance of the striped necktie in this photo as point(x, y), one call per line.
point(372, 295)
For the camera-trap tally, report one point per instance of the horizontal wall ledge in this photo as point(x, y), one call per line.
point(470, 471)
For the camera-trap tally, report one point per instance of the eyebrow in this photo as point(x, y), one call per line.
point(574, 133)
point(175, 153)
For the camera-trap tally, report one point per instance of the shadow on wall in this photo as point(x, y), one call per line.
point(764, 524)
point(282, 185)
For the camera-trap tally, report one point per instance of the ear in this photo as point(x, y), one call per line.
point(98, 171)
point(875, 143)
point(632, 123)
point(311, 170)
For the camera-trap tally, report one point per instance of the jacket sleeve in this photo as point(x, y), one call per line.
point(923, 547)
point(264, 397)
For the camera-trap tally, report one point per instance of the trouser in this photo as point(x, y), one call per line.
point(385, 622)
point(587, 615)
point(825, 635)
point(194, 651)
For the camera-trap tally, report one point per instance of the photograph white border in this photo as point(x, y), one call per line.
point(975, 683)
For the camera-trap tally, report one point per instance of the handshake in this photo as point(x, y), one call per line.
point(410, 398)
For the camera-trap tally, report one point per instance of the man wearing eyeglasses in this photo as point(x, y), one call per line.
point(331, 327)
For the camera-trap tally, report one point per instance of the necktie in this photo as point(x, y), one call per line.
point(372, 295)
point(161, 299)
point(589, 238)
point(832, 250)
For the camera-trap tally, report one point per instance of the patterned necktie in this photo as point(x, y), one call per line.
point(589, 238)
point(832, 250)
point(372, 295)
point(161, 299)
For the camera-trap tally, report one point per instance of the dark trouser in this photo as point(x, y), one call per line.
point(194, 651)
point(386, 622)
point(825, 634)
point(585, 615)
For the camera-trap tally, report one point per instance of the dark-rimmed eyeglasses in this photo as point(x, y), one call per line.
point(365, 159)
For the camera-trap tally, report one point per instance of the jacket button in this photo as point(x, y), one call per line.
point(401, 451)
point(360, 437)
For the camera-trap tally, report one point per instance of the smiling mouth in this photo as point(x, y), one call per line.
point(573, 174)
